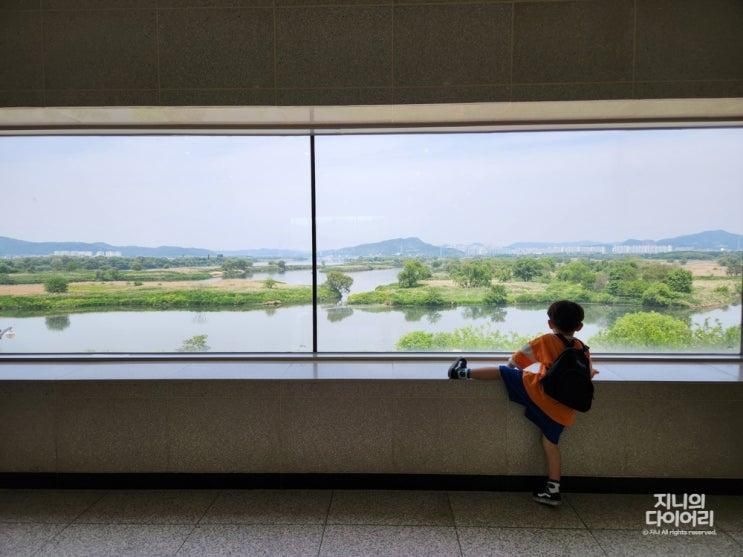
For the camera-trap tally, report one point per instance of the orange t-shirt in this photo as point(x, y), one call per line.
point(545, 350)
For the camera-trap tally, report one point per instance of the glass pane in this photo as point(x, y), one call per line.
point(461, 241)
point(155, 244)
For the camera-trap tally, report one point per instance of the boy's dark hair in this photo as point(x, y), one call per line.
point(567, 316)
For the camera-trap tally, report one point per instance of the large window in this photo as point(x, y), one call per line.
point(425, 242)
point(155, 244)
point(461, 241)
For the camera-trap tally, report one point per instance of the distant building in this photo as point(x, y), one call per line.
point(641, 249)
point(88, 253)
point(559, 250)
point(74, 253)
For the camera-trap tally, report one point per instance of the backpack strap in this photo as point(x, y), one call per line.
point(566, 342)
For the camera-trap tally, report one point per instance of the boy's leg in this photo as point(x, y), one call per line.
point(488, 372)
point(549, 492)
point(552, 455)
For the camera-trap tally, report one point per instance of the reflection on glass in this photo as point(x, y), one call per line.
point(57, 322)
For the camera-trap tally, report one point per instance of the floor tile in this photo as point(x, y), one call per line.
point(389, 541)
point(728, 511)
point(45, 506)
point(20, 540)
point(612, 511)
point(269, 507)
point(408, 508)
point(254, 540)
point(149, 507)
point(119, 540)
point(506, 542)
point(631, 543)
point(738, 537)
point(481, 508)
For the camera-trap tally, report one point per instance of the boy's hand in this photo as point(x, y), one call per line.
point(594, 371)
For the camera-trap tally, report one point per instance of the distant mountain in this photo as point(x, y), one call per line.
point(12, 247)
point(714, 240)
point(708, 240)
point(405, 247)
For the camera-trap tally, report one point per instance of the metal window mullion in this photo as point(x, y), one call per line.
point(314, 243)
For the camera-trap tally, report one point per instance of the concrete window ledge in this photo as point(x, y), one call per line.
point(649, 420)
point(698, 371)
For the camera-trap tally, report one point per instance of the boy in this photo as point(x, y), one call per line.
point(549, 415)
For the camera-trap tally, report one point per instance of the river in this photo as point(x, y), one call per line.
point(289, 329)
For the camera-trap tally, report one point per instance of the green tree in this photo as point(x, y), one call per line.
point(137, 264)
point(655, 272)
point(679, 280)
point(472, 274)
point(579, 272)
point(282, 266)
point(270, 283)
point(56, 285)
point(338, 283)
point(502, 272)
point(621, 272)
point(497, 295)
point(733, 263)
point(527, 269)
point(660, 295)
point(412, 272)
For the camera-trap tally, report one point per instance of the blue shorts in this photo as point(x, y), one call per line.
point(514, 382)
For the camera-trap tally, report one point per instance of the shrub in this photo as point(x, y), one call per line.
point(496, 295)
point(270, 283)
point(654, 331)
point(465, 338)
point(56, 285)
point(660, 295)
point(679, 280)
point(433, 297)
point(648, 330)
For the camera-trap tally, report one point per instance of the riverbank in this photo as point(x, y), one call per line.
point(706, 293)
point(109, 296)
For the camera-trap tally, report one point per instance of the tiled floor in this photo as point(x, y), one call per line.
point(344, 523)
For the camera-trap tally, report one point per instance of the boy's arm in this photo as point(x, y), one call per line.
point(594, 371)
point(522, 358)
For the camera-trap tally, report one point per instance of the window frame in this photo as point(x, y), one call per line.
point(365, 120)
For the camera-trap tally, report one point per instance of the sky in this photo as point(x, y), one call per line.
point(237, 192)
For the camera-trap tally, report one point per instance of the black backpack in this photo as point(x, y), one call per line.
point(568, 379)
